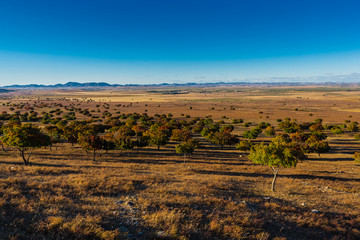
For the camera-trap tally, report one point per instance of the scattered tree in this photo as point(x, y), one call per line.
point(24, 138)
point(92, 143)
point(223, 138)
point(274, 156)
point(158, 135)
point(317, 146)
point(353, 127)
point(244, 145)
point(269, 131)
point(187, 148)
point(181, 135)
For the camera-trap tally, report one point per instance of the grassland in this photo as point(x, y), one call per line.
point(156, 194)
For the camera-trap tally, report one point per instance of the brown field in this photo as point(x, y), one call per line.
point(214, 194)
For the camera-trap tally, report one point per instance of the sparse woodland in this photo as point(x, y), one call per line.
point(86, 169)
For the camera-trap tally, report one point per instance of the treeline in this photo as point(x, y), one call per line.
point(289, 143)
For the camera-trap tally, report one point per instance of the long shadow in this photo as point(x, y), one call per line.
point(229, 154)
point(19, 224)
point(275, 222)
point(36, 164)
point(324, 159)
point(166, 161)
point(348, 150)
point(296, 176)
point(341, 141)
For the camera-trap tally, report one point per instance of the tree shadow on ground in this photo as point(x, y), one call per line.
point(294, 176)
point(34, 164)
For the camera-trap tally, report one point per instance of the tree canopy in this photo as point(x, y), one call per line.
point(24, 138)
point(275, 155)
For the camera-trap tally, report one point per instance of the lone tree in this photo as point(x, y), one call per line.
point(24, 138)
point(274, 156)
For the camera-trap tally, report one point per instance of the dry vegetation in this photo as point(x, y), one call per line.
point(215, 194)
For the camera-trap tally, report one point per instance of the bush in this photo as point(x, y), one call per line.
point(357, 157)
point(357, 136)
point(353, 127)
point(270, 131)
point(337, 130)
point(244, 145)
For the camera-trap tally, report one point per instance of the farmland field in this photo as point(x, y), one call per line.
point(154, 193)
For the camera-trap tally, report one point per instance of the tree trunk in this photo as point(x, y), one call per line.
point(3, 148)
point(275, 171)
point(22, 154)
point(28, 158)
point(158, 147)
point(94, 157)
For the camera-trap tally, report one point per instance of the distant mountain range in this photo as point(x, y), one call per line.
point(66, 85)
point(105, 85)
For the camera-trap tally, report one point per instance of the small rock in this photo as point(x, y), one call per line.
point(315, 211)
point(130, 203)
point(302, 204)
point(267, 198)
point(162, 234)
point(133, 219)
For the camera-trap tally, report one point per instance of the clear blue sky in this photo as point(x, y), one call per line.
point(143, 41)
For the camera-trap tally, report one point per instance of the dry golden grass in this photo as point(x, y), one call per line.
point(215, 194)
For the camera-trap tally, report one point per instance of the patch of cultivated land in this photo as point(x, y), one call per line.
point(217, 193)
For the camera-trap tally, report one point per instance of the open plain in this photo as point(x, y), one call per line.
point(151, 193)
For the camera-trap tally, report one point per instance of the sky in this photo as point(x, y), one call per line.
point(173, 41)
